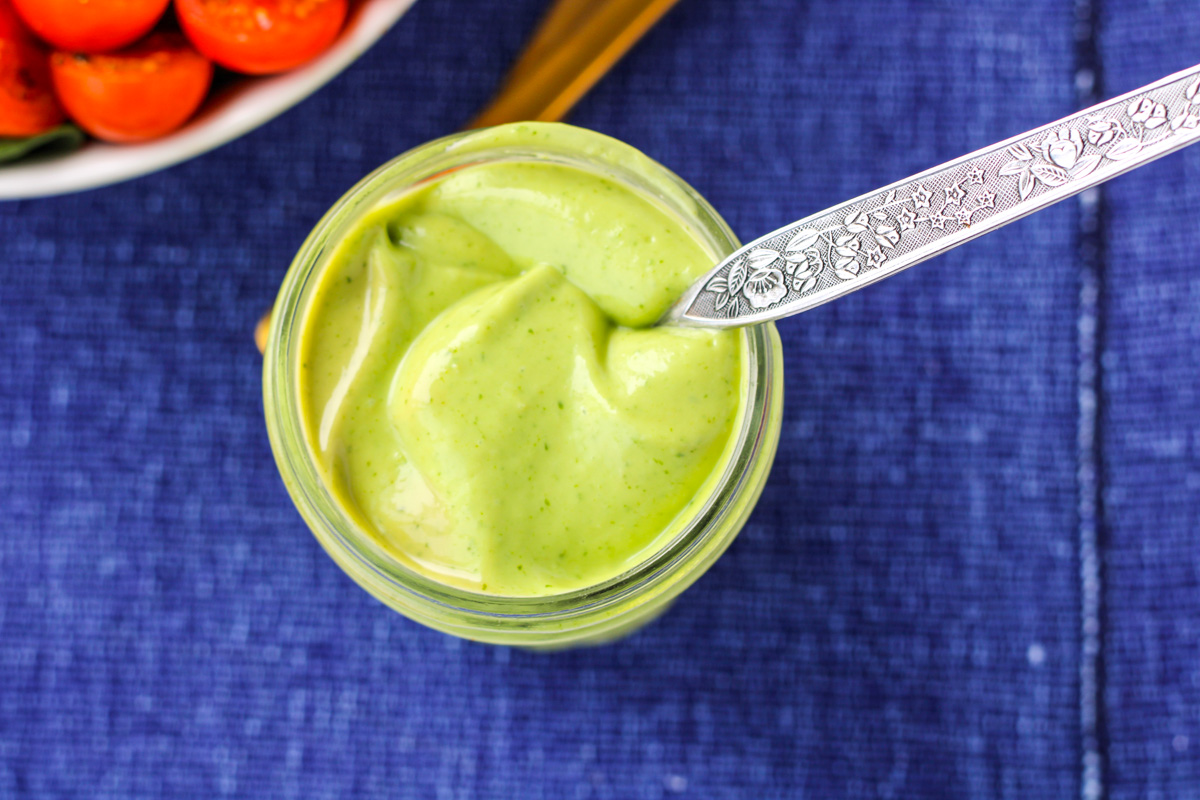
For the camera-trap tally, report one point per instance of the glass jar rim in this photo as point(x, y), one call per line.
point(356, 551)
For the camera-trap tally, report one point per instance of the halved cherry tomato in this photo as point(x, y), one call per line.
point(11, 26)
point(259, 37)
point(27, 104)
point(90, 26)
point(138, 93)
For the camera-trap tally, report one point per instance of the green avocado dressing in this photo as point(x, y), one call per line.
point(483, 390)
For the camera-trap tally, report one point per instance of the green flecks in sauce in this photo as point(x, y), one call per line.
point(485, 395)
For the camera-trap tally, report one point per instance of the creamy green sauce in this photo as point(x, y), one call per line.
point(483, 392)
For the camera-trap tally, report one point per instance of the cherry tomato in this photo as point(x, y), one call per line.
point(11, 26)
point(138, 93)
point(90, 26)
point(259, 37)
point(27, 104)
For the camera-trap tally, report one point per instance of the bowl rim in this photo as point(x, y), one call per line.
point(229, 113)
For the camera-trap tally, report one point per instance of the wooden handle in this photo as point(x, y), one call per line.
point(582, 55)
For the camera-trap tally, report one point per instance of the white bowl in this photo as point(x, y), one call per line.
point(229, 113)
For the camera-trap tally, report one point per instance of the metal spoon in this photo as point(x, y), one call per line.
point(844, 248)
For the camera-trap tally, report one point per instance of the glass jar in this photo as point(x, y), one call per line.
point(587, 616)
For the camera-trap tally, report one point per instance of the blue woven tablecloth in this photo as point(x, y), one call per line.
point(975, 572)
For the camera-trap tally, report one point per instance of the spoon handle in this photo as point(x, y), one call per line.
point(844, 248)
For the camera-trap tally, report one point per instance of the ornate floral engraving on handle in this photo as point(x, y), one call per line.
point(876, 235)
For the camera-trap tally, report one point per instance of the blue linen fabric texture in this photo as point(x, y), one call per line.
point(975, 454)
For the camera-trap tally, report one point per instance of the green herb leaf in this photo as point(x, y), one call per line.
point(62, 139)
